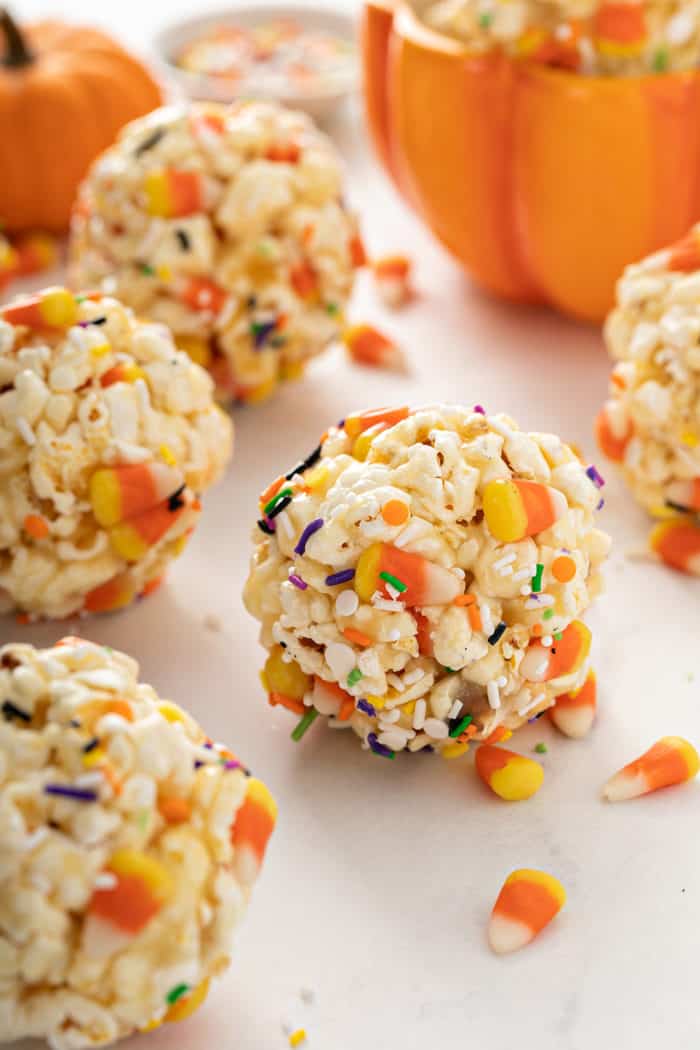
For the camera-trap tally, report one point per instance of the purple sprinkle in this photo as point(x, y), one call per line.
point(297, 581)
point(66, 791)
point(232, 763)
point(198, 763)
point(379, 749)
point(364, 705)
point(595, 477)
point(306, 535)
point(339, 577)
point(270, 523)
point(601, 505)
point(480, 409)
point(261, 332)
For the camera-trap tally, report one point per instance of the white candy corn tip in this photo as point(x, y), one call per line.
point(623, 786)
point(573, 722)
point(508, 935)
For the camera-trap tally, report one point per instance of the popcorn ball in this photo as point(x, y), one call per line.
point(107, 435)
point(129, 843)
point(228, 225)
point(650, 424)
point(420, 577)
point(597, 37)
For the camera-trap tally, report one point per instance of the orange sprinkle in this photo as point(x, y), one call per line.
point(537, 630)
point(357, 637)
point(36, 526)
point(174, 810)
point(618, 380)
point(271, 490)
point(358, 255)
point(110, 775)
point(563, 568)
point(464, 599)
point(474, 617)
point(500, 733)
point(286, 701)
point(395, 512)
point(22, 619)
point(152, 585)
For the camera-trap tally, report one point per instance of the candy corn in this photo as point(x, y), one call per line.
point(672, 760)
point(528, 901)
point(304, 280)
point(511, 776)
point(677, 543)
point(110, 596)
point(619, 27)
point(173, 194)
point(118, 493)
point(684, 255)
point(358, 255)
point(51, 308)
point(285, 679)
point(329, 699)
point(35, 252)
point(367, 346)
point(612, 443)
point(201, 294)
point(392, 275)
point(252, 826)
point(138, 887)
point(283, 153)
point(574, 713)
point(685, 493)
point(121, 373)
point(564, 656)
point(131, 539)
point(515, 509)
point(358, 422)
point(418, 581)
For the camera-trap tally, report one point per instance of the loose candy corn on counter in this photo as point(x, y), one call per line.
point(530, 897)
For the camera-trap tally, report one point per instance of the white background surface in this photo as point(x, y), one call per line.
point(381, 875)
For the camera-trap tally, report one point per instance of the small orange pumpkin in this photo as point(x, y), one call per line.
point(65, 91)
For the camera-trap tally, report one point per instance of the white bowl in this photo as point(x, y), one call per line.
point(319, 102)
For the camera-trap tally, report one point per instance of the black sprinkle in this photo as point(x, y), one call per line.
point(152, 140)
point(98, 320)
point(251, 302)
point(184, 240)
point(676, 506)
point(11, 710)
point(264, 527)
point(497, 633)
point(305, 463)
point(279, 507)
point(176, 501)
point(75, 723)
point(91, 745)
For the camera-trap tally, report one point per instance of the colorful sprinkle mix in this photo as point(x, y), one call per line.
point(548, 614)
point(369, 709)
point(306, 535)
point(460, 726)
point(354, 676)
point(282, 494)
point(379, 749)
point(310, 461)
point(595, 477)
point(176, 993)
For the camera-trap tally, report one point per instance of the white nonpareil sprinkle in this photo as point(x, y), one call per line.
point(493, 695)
point(436, 728)
point(419, 714)
point(393, 592)
point(546, 640)
point(105, 881)
point(283, 520)
point(385, 605)
point(346, 603)
point(486, 618)
point(393, 635)
point(389, 717)
point(25, 431)
point(395, 682)
point(455, 709)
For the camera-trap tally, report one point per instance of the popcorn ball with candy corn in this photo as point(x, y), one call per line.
point(650, 425)
point(129, 842)
point(108, 435)
point(421, 575)
point(228, 224)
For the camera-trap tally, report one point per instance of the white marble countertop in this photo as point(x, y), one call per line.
point(381, 876)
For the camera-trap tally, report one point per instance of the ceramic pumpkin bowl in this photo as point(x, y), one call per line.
point(544, 184)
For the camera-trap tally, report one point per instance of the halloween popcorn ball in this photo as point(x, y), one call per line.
point(598, 37)
point(228, 225)
point(650, 425)
point(420, 578)
point(108, 434)
point(129, 843)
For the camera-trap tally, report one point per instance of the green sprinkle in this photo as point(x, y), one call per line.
point(176, 993)
point(354, 676)
point(541, 749)
point(548, 614)
point(557, 637)
point(304, 723)
point(537, 579)
point(660, 61)
point(147, 270)
point(450, 670)
point(264, 248)
point(276, 499)
point(461, 726)
point(143, 820)
point(332, 309)
point(485, 20)
point(399, 585)
point(277, 341)
point(80, 299)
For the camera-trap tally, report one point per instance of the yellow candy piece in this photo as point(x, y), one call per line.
point(186, 1006)
point(288, 679)
point(104, 491)
point(377, 701)
point(317, 479)
point(101, 350)
point(58, 307)
point(157, 196)
point(134, 864)
point(363, 443)
point(94, 758)
point(367, 572)
point(455, 750)
point(171, 711)
point(167, 456)
point(511, 776)
point(504, 511)
point(127, 543)
point(261, 392)
point(292, 370)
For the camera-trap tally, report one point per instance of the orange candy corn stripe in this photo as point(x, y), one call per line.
point(141, 888)
point(51, 308)
point(368, 346)
point(114, 594)
point(251, 829)
point(528, 901)
point(424, 582)
point(119, 493)
point(358, 422)
point(612, 446)
point(677, 543)
point(511, 776)
point(173, 194)
point(283, 153)
point(574, 713)
point(358, 255)
point(304, 280)
point(685, 493)
point(672, 760)
point(564, 656)
point(396, 266)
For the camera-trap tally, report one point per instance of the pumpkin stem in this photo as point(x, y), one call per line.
point(17, 54)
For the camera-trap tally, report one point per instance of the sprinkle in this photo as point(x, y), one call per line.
point(266, 526)
point(271, 505)
point(600, 504)
point(91, 745)
point(474, 618)
point(480, 409)
point(11, 710)
point(147, 270)
point(369, 709)
point(537, 579)
point(595, 477)
point(485, 19)
point(541, 749)
point(306, 535)
point(357, 638)
point(25, 430)
point(395, 512)
point(557, 636)
point(148, 143)
point(354, 677)
point(493, 695)
point(464, 599)
point(505, 561)
point(539, 601)
point(394, 581)
point(457, 727)
point(176, 993)
point(298, 1037)
point(379, 749)
point(548, 614)
point(260, 330)
point(305, 464)
point(419, 714)
point(346, 603)
point(660, 60)
point(36, 526)
point(184, 240)
point(455, 710)
point(232, 763)
point(65, 791)
point(297, 581)
point(522, 574)
point(500, 629)
point(304, 723)
point(563, 568)
point(339, 577)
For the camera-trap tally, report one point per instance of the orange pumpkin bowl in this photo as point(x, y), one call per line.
point(544, 184)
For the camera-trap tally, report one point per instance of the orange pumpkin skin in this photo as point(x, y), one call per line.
point(57, 113)
point(544, 184)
